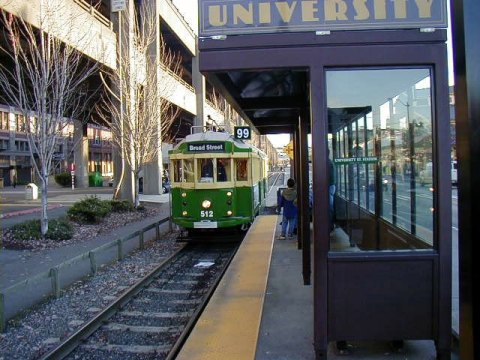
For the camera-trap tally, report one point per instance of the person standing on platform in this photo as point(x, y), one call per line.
point(288, 201)
point(331, 192)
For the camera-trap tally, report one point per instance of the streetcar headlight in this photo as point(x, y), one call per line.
point(206, 204)
point(184, 203)
point(184, 213)
point(229, 202)
point(184, 194)
point(229, 193)
point(229, 213)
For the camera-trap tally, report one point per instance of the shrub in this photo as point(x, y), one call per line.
point(27, 230)
point(89, 210)
point(59, 229)
point(63, 179)
point(121, 205)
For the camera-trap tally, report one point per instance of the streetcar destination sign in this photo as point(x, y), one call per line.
point(206, 147)
point(223, 17)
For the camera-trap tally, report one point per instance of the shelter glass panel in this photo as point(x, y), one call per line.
point(380, 123)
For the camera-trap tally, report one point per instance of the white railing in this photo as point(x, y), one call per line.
point(95, 13)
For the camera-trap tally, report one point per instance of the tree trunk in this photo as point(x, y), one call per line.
point(137, 195)
point(44, 214)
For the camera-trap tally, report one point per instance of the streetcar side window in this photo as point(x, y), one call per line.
point(177, 170)
point(223, 169)
point(241, 169)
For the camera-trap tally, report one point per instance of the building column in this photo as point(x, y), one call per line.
point(80, 154)
point(465, 14)
point(152, 172)
point(122, 24)
point(198, 81)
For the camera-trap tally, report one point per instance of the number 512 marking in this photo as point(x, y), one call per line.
point(206, 213)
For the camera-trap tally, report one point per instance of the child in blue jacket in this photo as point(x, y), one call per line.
point(288, 201)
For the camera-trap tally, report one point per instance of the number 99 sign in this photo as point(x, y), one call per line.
point(242, 132)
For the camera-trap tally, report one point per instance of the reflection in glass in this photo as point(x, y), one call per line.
point(188, 170)
point(241, 169)
point(381, 141)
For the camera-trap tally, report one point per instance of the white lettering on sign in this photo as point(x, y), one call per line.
point(206, 147)
point(118, 5)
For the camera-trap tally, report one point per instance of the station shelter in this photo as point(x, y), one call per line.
point(367, 80)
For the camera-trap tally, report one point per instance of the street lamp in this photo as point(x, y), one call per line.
point(411, 145)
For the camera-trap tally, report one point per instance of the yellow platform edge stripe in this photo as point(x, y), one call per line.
point(229, 325)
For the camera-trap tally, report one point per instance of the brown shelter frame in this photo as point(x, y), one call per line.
point(313, 54)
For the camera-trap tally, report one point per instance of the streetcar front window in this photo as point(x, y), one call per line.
point(241, 169)
point(223, 169)
point(188, 171)
point(205, 173)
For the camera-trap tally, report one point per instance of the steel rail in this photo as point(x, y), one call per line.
point(71, 343)
point(198, 312)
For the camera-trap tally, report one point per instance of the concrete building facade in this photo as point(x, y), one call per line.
point(97, 33)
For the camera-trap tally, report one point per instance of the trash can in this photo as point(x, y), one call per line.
point(95, 180)
point(31, 192)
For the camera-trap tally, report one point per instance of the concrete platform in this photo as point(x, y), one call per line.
point(286, 331)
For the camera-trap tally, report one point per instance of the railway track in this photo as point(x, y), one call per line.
point(276, 179)
point(152, 319)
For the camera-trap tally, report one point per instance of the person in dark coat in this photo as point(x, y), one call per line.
point(331, 193)
point(288, 201)
point(221, 173)
point(207, 168)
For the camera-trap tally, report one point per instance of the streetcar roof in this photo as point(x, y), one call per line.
point(214, 136)
point(218, 136)
point(209, 135)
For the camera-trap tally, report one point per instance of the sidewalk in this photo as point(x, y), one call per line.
point(19, 265)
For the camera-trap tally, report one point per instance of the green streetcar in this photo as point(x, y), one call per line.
point(217, 181)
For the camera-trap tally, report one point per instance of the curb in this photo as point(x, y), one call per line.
point(27, 212)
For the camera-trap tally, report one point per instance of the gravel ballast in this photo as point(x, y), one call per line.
point(39, 329)
point(44, 326)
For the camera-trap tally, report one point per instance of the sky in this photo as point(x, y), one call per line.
point(279, 140)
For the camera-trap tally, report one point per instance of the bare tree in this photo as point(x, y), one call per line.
point(43, 78)
point(135, 106)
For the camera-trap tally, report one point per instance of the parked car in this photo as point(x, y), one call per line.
point(426, 175)
point(454, 172)
point(165, 185)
